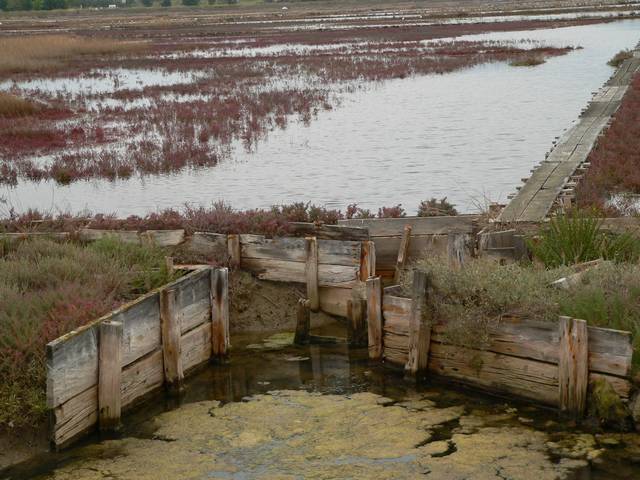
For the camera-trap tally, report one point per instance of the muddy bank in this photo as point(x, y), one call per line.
point(260, 305)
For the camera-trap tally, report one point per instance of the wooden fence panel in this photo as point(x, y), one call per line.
point(513, 343)
point(73, 359)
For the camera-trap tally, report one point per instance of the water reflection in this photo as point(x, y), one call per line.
point(464, 135)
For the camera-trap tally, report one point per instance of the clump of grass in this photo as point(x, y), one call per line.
point(49, 288)
point(620, 57)
point(12, 106)
point(472, 299)
point(436, 208)
point(528, 61)
point(577, 237)
point(45, 52)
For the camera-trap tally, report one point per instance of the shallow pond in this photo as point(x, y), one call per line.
point(285, 412)
point(468, 135)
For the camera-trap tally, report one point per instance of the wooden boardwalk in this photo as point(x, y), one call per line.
point(542, 190)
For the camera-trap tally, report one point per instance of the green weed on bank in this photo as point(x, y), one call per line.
point(49, 288)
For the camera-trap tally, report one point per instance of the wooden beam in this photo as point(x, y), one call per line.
point(419, 326)
point(303, 324)
point(356, 325)
point(233, 250)
point(374, 317)
point(220, 312)
point(328, 232)
point(573, 366)
point(311, 273)
point(403, 252)
point(110, 375)
point(171, 349)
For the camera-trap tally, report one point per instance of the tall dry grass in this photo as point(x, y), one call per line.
point(45, 52)
point(12, 106)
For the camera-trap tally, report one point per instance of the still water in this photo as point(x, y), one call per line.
point(468, 135)
point(325, 411)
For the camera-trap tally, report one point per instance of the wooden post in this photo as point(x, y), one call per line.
point(171, 351)
point(573, 365)
point(311, 272)
point(169, 264)
point(233, 250)
point(456, 249)
point(403, 251)
point(419, 326)
point(219, 294)
point(374, 317)
point(356, 326)
point(367, 260)
point(303, 324)
point(110, 375)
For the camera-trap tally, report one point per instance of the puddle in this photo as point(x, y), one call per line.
point(335, 415)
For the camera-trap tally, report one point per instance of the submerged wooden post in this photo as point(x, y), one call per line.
point(219, 294)
point(419, 326)
point(311, 273)
point(367, 260)
point(303, 324)
point(233, 250)
point(110, 375)
point(403, 251)
point(374, 317)
point(356, 325)
point(456, 249)
point(573, 365)
point(171, 351)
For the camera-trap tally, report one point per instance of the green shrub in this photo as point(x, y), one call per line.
point(473, 298)
point(48, 288)
point(577, 237)
point(436, 208)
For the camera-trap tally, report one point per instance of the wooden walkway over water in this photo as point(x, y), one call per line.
point(552, 177)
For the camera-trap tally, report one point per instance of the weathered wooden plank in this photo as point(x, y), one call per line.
point(333, 300)
point(207, 243)
point(374, 317)
point(193, 303)
point(311, 273)
point(73, 418)
point(219, 301)
point(141, 327)
point(403, 252)
point(303, 322)
point(234, 250)
point(419, 325)
point(573, 366)
point(72, 366)
point(91, 234)
point(497, 373)
point(110, 375)
point(196, 347)
point(164, 238)
point(171, 347)
point(283, 271)
point(388, 227)
point(499, 239)
point(142, 377)
point(330, 252)
point(328, 232)
point(387, 249)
